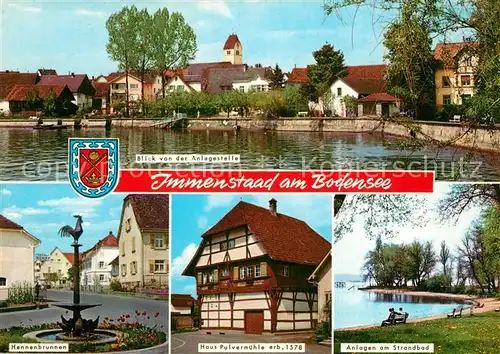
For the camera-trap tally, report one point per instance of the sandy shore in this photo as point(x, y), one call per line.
point(488, 304)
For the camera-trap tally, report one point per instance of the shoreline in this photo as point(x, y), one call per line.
point(490, 304)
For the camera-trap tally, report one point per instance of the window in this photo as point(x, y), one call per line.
point(465, 80)
point(445, 81)
point(243, 272)
point(159, 240)
point(284, 271)
point(123, 248)
point(227, 245)
point(211, 277)
point(133, 244)
point(224, 272)
point(3, 281)
point(468, 61)
point(257, 270)
point(159, 266)
point(237, 52)
point(250, 272)
point(339, 91)
point(180, 88)
point(231, 244)
point(101, 264)
point(134, 86)
point(242, 88)
point(171, 87)
point(124, 269)
point(128, 227)
point(101, 277)
point(228, 52)
point(446, 99)
point(328, 296)
point(50, 269)
point(133, 267)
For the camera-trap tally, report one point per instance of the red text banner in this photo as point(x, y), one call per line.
point(276, 181)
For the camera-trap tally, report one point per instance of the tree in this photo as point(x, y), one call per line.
point(145, 48)
point(329, 66)
point(226, 102)
point(421, 261)
point(444, 257)
point(50, 104)
point(123, 42)
point(175, 42)
point(276, 78)
point(410, 74)
point(33, 100)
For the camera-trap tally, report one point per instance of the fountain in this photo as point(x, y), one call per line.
point(76, 328)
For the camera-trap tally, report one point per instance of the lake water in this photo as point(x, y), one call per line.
point(357, 307)
point(27, 154)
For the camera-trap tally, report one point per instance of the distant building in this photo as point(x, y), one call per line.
point(233, 50)
point(454, 78)
point(79, 85)
point(297, 77)
point(181, 304)
point(115, 267)
point(17, 255)
point(143, 238)
point(19, 95)
point(8, 80)
point(96, 267)
point(251, 270)
point(43, 72)
point(54, 270)
point(118, 86)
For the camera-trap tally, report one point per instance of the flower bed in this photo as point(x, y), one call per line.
point(137, 335)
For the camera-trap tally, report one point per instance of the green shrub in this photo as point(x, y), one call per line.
point(115, 285)
point(3, 304)
point(20, 293)
point(438, 284)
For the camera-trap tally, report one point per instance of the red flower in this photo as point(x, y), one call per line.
point(148, 317)
point(127, 316)
point(144, 313)
point(157, 314)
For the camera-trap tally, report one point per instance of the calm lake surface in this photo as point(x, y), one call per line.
point(356, 307)
point(27, 154)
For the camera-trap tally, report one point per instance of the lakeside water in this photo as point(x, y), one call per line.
point(356, 307)
point(27, 154)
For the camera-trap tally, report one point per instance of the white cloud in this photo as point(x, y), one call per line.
point(180, 263)
point(75, 206)
point(217, 6)
point(218, 200)
point(115, 211)
point(90, 13)
point(16, 213)
point(202, 222)
point(22, 8)
point(5, 192)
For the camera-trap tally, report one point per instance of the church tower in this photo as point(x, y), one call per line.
point(233, 50)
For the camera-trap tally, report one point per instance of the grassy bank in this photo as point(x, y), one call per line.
point(467, 335)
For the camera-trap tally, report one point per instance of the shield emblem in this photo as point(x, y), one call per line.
point(93, 166)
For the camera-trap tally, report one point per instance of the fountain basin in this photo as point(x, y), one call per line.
point(101, 336)
point(79, 307)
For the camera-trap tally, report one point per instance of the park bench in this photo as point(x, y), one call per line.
point(455, 313)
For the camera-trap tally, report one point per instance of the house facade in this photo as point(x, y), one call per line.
point(118, 88)
point(79, 85)
point(54, 270)
point(181, 304)
point(96, 270)
point(233, 50)
point(8, 80)
point(17, 255)
point(322, 278)
point(143, 239)
point(18, 97)
point(251, 271)
point(454, 78)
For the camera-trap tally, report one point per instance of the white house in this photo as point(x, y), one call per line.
point(96, 262)
point(53, 271)
point(181, 304)
point(322, 278)
point(17, 255)
point(253, 79)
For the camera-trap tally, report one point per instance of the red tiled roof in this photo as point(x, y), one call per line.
point(217, 79)
point(298, 76)
point(70, 256)
point(101, 89)
point(379, 97)
point(181, 300)
point(20, 92)
point(283, 237)
point(109, 241)
point(72, 81)
point(366, 79)
point(8, 224)
point(231, 41)
point(9, 79)
point(448, 51)
point(151, 210)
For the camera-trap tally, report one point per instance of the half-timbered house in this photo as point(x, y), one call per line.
point(252, 270)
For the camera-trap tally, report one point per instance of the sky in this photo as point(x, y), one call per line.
point(70, 35)
point(192, 215)
point(42, 209)
point(350, 251)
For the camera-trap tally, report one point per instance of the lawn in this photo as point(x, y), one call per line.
point(477, 334)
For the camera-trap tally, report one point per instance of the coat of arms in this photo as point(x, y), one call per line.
point(93, 166)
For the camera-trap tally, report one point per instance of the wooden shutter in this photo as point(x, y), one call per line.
point(263, 269)
point(236, 274)
point(152, 240)
point(199, 275)
point(151, 266)
point(216, 275)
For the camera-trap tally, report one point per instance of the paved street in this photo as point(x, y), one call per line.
point(112, 307)
point(188, 342)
